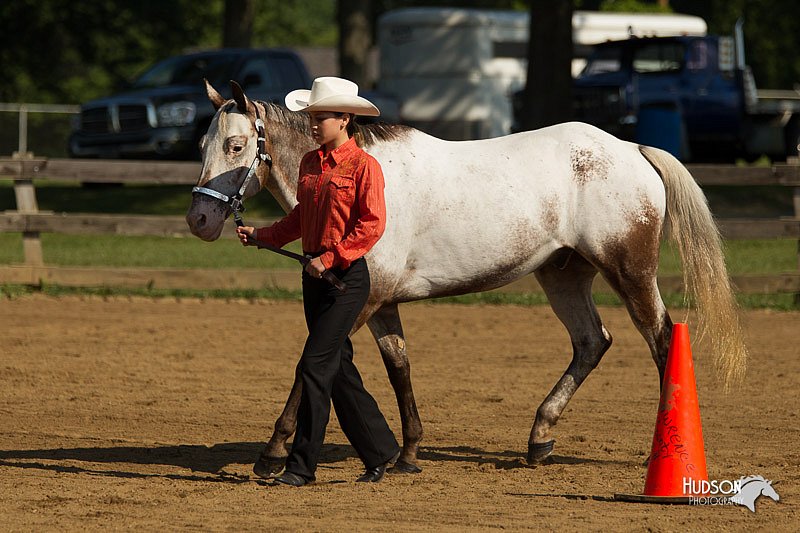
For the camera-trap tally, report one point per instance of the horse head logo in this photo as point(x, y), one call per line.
point(751, 488)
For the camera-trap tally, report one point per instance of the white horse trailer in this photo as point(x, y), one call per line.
point(454, 70)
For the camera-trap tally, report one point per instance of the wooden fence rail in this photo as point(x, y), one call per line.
point(28, 220)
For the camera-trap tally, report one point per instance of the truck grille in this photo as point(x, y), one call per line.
point(123, 118)
point(95, 120)
point(601, 106)
point(133, 118)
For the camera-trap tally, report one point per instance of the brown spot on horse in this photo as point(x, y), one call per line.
point(588, 165)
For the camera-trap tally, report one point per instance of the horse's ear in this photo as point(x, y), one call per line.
point(216, 99)
point(242, 102)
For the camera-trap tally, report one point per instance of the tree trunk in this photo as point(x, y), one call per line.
point(237, 30)
point(548, 92)
point(355, 39)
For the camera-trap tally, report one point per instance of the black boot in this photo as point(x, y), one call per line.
point(373, 475)
point(292, 479)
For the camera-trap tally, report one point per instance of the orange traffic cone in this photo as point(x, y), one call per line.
point(677, 465)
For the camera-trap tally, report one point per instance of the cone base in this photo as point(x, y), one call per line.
point(644, 498)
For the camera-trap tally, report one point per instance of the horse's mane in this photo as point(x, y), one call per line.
point(366, 134)
point(369, 134)
point(278, 113)
point(745, 480)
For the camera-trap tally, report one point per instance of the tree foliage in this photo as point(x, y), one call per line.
point(66, 51)
point(770, 33)
point(633, 6)
point(62, 51)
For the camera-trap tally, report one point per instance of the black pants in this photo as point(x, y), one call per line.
point(328, 373)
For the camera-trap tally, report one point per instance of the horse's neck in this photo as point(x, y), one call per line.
point(289, 144)
point(282, 188)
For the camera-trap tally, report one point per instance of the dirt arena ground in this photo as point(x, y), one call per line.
point(139, 414)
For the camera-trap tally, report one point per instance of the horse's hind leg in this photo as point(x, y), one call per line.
point(387, 329)
point(273, 457)
point(567, 282)
point(631, 272)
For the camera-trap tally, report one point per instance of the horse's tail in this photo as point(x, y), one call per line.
point(705, 277)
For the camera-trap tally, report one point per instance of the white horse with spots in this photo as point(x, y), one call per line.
point(563, 202)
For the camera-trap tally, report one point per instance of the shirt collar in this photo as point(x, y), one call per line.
point(340, 153)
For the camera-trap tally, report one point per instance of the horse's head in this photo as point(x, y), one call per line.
point(768, 491)
point(229, 149)
point(751, 488)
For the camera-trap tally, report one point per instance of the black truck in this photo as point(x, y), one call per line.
point(165, 111)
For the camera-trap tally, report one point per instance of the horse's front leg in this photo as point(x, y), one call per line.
point(273, 458)
point(387, 329)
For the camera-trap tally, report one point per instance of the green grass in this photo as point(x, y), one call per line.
point(747, 256)
point(133, 199)
point(17, 291)
point(771, 256)
point(164, 252)
point(781, 302)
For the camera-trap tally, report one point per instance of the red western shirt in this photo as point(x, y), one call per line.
point(340, 212)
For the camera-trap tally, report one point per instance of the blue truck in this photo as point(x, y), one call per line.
point(691, 95)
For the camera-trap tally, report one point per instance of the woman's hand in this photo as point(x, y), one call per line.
point(246, 235)
point(315, 268)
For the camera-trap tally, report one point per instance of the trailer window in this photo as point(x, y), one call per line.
point(658, 57)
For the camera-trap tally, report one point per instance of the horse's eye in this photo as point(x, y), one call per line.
point(235, 145)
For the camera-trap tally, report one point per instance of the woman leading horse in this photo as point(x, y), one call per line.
point(340, 215)
point(565, 203)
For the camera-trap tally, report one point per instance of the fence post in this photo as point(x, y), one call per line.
point(796, 199)
point(26, 204)
point(796, 202)
point(23, 129)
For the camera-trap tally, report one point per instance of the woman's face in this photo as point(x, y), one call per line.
point(328, 127)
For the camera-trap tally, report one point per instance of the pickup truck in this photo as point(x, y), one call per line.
point(165, 112)
point(691, 95)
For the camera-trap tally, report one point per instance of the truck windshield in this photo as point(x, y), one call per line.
point(187, 70)
point(658, 57)
point(604, 59)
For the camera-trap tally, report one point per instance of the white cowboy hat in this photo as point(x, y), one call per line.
point(331, 94)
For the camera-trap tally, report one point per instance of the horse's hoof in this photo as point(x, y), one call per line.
point(266, 467)
point(402, 467)
point(538, 452)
